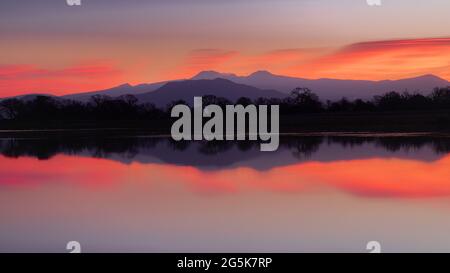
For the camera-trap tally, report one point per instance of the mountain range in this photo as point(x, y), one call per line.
point(123, 89)
point(259, 84)
point(187, 89)
point(332, 89)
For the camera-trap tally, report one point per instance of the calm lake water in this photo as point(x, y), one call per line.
point(316, 193)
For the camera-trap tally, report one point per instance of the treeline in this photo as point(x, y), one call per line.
point(303, 100)
point(99, 107)
point(127, 107)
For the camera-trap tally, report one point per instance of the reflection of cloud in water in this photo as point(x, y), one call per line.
point(376, 177)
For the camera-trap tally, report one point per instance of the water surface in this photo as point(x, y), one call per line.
point(139, 193)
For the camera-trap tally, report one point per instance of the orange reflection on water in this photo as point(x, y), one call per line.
point(367, 177)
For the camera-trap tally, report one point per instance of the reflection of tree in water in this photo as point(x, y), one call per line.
point(41, 149)
point(45, 148)
point(246, 145)
point(394, 144)
point(214, 147)
point(442, 147)
point(128, 147)
point(178, 145)
point(348, 141)
point(408, 144)
point(303, 147)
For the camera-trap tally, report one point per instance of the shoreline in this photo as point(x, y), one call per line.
point(133, 133)
point(411, 122)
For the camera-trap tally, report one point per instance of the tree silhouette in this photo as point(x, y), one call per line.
point(127, 107)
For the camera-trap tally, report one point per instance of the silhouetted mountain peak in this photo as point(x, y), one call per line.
point(219, 87)
point(426, 77)
point(30, 97)
point(261, 73)
point(211, 74)
point(327, 89)
point(198, 83)
point(124, 85)
point(431, 77)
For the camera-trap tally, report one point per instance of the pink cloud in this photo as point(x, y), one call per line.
point(378, 60)
point(400, 178)
point(25, 78)
point(202, 59)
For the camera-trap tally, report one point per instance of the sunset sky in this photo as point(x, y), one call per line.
point(49, 47)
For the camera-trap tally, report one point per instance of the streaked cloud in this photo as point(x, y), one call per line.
point(27, 78)
point(202, 59)
point(392, 59)
point(400, 178)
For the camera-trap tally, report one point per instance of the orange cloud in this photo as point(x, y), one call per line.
point(382, 178)
point(381, 60)
point(239, 63)
point(277, 61)
point(377, 60)
point(21, 79)
point(202, 59)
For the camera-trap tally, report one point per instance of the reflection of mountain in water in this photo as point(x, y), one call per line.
point(211, 155)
